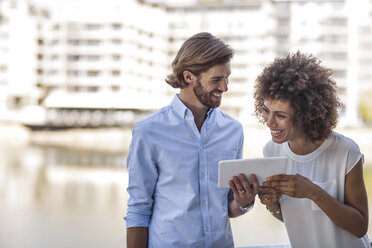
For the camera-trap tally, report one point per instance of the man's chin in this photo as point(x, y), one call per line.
point(214, 105)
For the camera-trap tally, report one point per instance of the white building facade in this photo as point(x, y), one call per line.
point(103, 63)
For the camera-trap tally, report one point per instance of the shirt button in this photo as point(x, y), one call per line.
point(207, 229)
point(202, 175)
point(203, 202)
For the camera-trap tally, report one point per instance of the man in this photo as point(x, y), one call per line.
point(173, 158)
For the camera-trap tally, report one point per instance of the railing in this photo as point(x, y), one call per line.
point(268, 246)
point(279, 245)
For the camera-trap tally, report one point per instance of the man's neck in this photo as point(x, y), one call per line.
point(198, 110)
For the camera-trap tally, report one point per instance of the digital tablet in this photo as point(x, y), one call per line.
point(262, 167)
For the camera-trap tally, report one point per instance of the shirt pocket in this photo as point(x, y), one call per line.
point(330, 188)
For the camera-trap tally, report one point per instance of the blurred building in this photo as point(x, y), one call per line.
point(78, 65)
point(94, 63)
point(103, 65)
point(338, 32)
point(20, 27)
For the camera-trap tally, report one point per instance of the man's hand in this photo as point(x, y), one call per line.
point(244, 193)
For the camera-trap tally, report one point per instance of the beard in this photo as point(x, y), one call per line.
point(205, 97)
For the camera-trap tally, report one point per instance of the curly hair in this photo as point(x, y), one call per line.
point(197, 54)
point(309, 88)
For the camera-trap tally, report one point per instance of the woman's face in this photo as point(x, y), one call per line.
point(279, 117)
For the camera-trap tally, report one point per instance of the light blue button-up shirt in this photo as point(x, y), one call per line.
point(173, 172)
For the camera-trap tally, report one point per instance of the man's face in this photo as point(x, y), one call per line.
point(211, 84)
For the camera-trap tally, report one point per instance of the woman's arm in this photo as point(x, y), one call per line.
point(351, 216)
point(270, 197)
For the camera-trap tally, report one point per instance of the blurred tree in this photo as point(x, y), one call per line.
point(365, 106)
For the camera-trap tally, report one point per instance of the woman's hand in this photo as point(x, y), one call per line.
point(292, 185)
point(268, 194)
point(244, 193)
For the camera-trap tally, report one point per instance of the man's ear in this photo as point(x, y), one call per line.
point(189, 77)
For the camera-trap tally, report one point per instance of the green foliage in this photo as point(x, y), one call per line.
point(365, 107)
point(368, 181)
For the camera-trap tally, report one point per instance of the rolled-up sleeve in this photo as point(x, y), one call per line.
point(143, 176)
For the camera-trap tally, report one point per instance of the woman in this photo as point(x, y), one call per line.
point(321, 199)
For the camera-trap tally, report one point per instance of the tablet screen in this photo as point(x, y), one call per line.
point(262, 167)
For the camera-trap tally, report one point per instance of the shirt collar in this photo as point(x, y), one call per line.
point(180, 108)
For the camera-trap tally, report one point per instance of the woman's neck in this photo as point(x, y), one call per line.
point(302, 147)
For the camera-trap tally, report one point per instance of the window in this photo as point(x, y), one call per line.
point(115, 88)
point(93, 57)
point(73, 57)
point(73, 89)
point(116, 26)
point(115, 73)
point(339, 73)
point(73, 42)
point(93, 26)
point(339, 56)
point(92, 88)
point(73, 73)
point(92, 73)
point(93, 42)
point(337, 21)
point(116, 57)
point(3, 68)
point(116, 41)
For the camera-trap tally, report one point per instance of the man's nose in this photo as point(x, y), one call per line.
point(223, 85)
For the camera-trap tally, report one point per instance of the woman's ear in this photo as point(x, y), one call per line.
point(188, 77)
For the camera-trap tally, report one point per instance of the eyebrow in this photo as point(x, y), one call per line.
point(276, 111)
point(218, 77)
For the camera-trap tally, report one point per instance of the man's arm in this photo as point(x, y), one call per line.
point(234, 210)
point(137, 237)
point(141, 184)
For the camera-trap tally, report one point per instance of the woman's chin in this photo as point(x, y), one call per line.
point(278, 141)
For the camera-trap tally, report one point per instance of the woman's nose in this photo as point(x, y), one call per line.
point(270, 121)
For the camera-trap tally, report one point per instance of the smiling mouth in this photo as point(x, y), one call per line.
point(276, 133)
point(217, 94)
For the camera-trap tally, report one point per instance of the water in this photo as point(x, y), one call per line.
point(55, 196)
point(58, 197)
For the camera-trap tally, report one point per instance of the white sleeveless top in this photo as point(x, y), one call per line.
point(307, 225)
